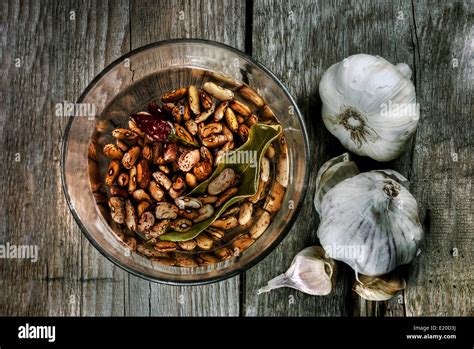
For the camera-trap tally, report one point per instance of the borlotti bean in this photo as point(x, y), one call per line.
point(188, 202)
point(166, 210)
point(191, 126)
point(113, 152)
point(122, 145)
point(117, 191)
point(204, 242)
point(250, 95)
point(143, 174)
point(187, 160)
point(142, 207)
point(122, 179)
point(205, 212)
point(231, 120)
point(240, 118)
point(130, 157)
point(112, 172)
point(206, 259)
point(156, 192)
point(265, 169)
point(240, 108)
point(124, 134)
point(193, 100)
point(181, 224)
point(191, 180)
point(132, 181)
point(206, 100)
point(225, 223)
point(117, 209)
point(146, 221)
point(223, 181)
point(188, 245)
point(231, 211)
point(215, 234)
point(141, 195)
point(218, 92)
point(205, 115)
point(224, 253)
point(225, 196)
point(174, 95)
point(262, 223)
point(219, 112)
point(149, 175)
point(245, 213)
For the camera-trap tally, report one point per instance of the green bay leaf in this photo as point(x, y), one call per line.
point(245, 161)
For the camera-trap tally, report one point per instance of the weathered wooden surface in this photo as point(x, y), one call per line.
point(70, 278)
point(61, 51)
point(442, 280)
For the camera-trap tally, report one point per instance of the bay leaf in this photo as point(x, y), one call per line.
point(245, 161)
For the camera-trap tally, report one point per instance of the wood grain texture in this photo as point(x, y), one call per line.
point(56, 63)
point(222, 21)
point(442, 279)
point(103, 284)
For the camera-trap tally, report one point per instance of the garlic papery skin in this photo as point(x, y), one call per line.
point(370, 105)
point(330, 174)
point(370, 222)
point(380, 288)
point(310, 272)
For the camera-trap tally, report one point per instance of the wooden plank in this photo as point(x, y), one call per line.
point(151, 21)
point(55, 66)
point(35, 212)
point(298, 41)
point(441, 281)
point(103, 284)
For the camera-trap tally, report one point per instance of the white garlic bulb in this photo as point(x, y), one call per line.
point(330, 174)
point(370, 221)
point(311, 272)
point(370, 105)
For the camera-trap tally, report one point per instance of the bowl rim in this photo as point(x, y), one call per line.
point(205, 280)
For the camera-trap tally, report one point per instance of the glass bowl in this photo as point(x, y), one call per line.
point(128, 85)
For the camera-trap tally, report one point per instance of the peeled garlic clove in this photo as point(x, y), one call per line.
point(331, 173)
point(370, 105)
point(371, 223)
point(310, 272)
point(380, 288)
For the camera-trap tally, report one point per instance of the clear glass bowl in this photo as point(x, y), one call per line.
point(128, 85)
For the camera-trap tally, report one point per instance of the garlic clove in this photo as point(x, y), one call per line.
point(371, 223)
point(380, 288)
point(331, 173)
point(311, 272)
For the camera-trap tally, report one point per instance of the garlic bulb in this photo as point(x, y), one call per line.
point(330, 174)
point(370, 105)
point(310, 272)
point(380, 288)
point(370, 221)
